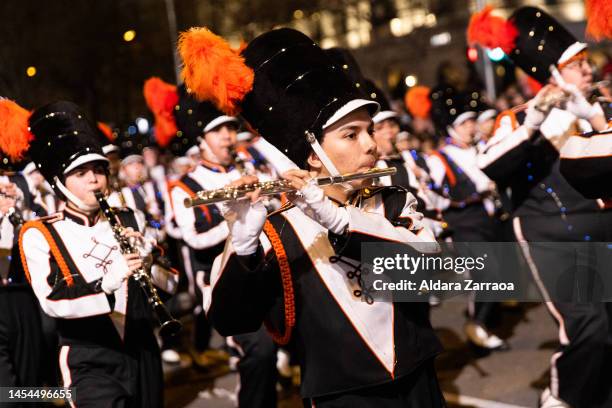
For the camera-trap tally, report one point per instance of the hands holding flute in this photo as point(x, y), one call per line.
point(247, 217)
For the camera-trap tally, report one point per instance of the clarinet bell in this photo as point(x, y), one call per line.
point(170, 328)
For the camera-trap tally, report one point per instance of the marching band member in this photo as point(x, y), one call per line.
point(73, 262)
point(279, 269)
point(469, 213)
point(522, 154)
point(21, 340)
point(204, 232)
point(586, 160)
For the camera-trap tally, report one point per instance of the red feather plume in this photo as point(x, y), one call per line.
point(107, 131)
point(417, 101)
point(491, 31)
point(161, 98)
point(599, 19)
point(213, 71)
point(15, 136)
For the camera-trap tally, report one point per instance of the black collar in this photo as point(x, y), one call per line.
point(80, 217)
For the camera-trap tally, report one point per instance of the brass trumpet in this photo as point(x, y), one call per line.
point(205, 197)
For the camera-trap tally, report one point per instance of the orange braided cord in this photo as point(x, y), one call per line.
point(61, 262)
point(288, 295)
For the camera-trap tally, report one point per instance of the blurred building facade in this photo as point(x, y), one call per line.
point(80, 51)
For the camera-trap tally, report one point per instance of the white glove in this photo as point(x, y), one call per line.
point(113, 280)
point(313, 202)
point(556, 128)
point(534, 117)
point(245, 221)
point(578, 105)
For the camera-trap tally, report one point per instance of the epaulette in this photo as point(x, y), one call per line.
point(289, 205)
point(51, 218)
point(122, 209)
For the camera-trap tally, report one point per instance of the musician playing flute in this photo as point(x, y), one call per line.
point(204, 232)
point(523, 155)
point(109, 355)
point(278, 269)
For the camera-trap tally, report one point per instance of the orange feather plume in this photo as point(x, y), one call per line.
point(107, 131)
point(15, 136)
point(599, 19)
point(491, 31)
point(161, 98)
point(213, 71)
point(417, 101)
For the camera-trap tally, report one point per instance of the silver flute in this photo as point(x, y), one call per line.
point(205, 197)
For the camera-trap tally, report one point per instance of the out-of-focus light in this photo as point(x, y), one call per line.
point(472, 54)
point(572, 11)
point(353, 39)
point(440, 39)
point(410, 81)
point(31, 71)
point(129, 35)
point(297, 14)
point(500, 71)
point(328, 43)
point(143, 125)
point(132, 130)
point(430, 20)
point(316, 15)
point(496, 54)
point(396, 27)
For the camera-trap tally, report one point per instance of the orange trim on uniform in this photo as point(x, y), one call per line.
point(452, 180)
point(288, 295)
point(213, 166)
point(509, 113)
point(61, 262)
point(191, 194)
point(245, 151)
point(170, 184)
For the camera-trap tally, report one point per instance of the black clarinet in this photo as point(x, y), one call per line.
point(169, 326)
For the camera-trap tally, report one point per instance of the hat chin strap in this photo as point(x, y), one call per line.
point(453, 134)
point(208, 152)
point(72, 198)
point(327, 163)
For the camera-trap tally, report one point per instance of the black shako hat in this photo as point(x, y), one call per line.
point(531, 38)
point(296, 90)
point(194, 118)
point(63, 140)
point(450, 107)
point(376, 94)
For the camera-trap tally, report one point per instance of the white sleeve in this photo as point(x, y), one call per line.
point(185, 219)
point(165, 279)
point(437, 171)
point(70, 297)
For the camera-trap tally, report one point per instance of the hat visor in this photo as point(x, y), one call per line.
point(571, 51)
point(384, 115)
point(132, 158)
point(463, 117)
point(350, 107)
point(109, 148)
point(486, 115)
point(218, 121)
point(86, 158)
